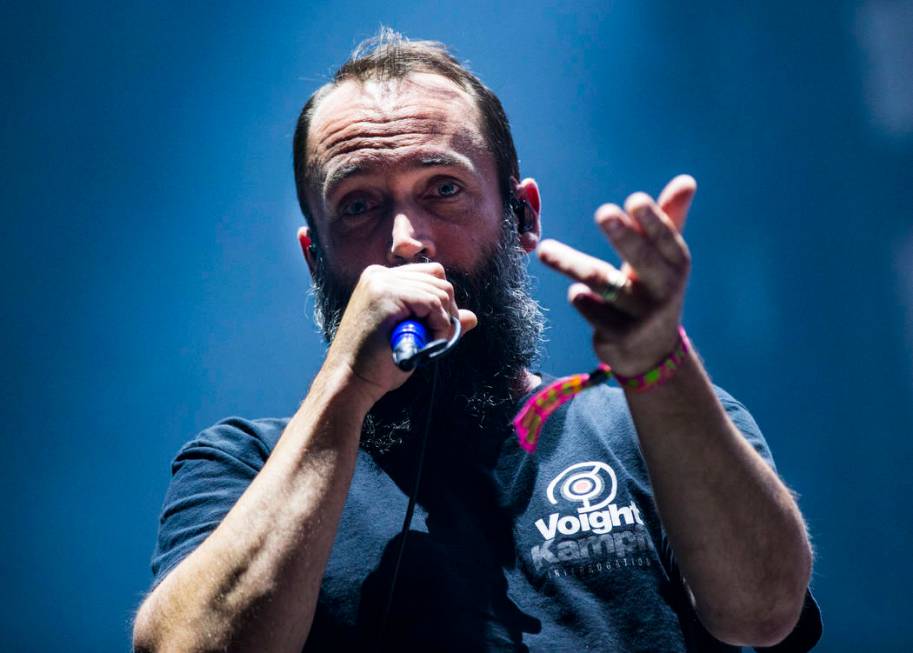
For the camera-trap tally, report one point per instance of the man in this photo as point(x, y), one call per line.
point(647, 521)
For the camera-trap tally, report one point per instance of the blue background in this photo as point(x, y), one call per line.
point(153, 283)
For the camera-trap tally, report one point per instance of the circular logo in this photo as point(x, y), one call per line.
point(591, 484)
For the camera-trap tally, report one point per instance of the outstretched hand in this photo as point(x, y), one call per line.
point(637, 325)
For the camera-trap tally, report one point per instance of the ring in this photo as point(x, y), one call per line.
point(614, 287)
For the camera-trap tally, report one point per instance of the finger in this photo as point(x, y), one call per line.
point(598, 275)
point(432, 268)
point(431, 282)
point(658, 227)
point(650, 267)
point(468, 320)
point(595, 273)
point(610, 219)
point(595, 310)
point(675, 200)
point(427, 307)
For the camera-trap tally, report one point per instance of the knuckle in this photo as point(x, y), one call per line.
point(666, 231)
point(444, 286)
point(368, 281)
point(372, 277)
point(641, 252)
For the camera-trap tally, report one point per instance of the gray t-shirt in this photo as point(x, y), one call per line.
point(559, 550)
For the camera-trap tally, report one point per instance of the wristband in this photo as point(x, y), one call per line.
point(529, 421)
point(662, 371)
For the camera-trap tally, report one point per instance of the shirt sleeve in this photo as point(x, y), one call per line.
point(746, 425)
point(208, 475)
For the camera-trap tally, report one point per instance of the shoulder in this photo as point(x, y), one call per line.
point(208, 475)
point(249, 441)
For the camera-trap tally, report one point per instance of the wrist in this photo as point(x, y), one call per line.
point(641, 351)
point(662, 370)
point(338, 382)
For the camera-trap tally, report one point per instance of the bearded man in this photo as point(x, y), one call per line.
point(647, 520)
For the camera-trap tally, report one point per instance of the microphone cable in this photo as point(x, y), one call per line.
point(410, 509)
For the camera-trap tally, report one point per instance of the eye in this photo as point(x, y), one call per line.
point(448, 188)
point(356, 207)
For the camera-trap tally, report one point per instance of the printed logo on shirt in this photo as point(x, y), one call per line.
point(597, 534)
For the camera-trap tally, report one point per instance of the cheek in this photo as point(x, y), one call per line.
point(346, 258)
point(465, 249)
point(359, 242)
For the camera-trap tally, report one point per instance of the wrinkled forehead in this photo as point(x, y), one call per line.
point(388, 115)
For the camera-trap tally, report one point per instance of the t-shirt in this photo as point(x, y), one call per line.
point(559, 550)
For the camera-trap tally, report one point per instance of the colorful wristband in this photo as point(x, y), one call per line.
point(538, 408)
point(662, 371)
point(532, 417)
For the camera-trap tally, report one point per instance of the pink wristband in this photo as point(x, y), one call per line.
point(538, 408)
point(662, 371)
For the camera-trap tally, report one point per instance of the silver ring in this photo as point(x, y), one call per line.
point(614, 286)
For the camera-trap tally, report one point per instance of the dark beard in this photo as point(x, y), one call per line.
point(476, 382)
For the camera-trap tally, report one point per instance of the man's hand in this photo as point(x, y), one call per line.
point(382, 298)
point(640, 326)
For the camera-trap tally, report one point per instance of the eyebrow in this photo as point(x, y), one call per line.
point(421, 160)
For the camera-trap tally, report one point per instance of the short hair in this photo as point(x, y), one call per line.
point(389, 56)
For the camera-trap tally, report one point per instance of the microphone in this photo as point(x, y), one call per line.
point(409, 342)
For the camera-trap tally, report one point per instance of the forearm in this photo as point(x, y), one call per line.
point(253, 583)
point(735, 529)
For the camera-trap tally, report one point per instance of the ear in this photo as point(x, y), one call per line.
point(307, 247)
point(528, 191)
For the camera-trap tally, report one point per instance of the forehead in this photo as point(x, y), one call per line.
point(375, 123)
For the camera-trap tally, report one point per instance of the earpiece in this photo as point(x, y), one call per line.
point(521, 209)
point(310, 246)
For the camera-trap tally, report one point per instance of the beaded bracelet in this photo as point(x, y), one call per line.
point(532, 417)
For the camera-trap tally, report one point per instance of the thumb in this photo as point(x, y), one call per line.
point(675, 200)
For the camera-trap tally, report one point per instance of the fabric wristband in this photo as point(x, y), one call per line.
point(531, 418)
point(662, 371)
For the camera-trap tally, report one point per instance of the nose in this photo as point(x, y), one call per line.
point(411, 239)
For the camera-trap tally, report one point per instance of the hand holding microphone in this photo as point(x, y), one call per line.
point(382, 299)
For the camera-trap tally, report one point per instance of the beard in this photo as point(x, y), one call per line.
point(476, 382)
